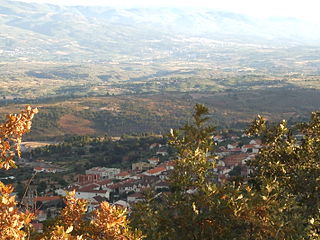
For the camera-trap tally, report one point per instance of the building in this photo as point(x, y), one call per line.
point(155, 171)
point(141, 166)
point(235, 159)
point(104, 172)
point(154, 160)
point(90, 191)
point(254, 148)
point(84, 179)
point(135, 197)
point(162, 151)
point(44, 169)
point(218, 138)
point(123, 175)
point(232, 145)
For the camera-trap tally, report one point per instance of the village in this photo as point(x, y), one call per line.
point(125, 187)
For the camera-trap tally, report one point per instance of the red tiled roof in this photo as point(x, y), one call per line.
point(89, 187)
point(218, 136)
point(47, 198)
point(157, 170)
point(91, 191)
point(235, 159)
point(170, 163)
point(235, 150)
point(123, 174)
point(249, 146)
point(136, 195)
point(104, 182)
point(100, 199)
point(125, 183)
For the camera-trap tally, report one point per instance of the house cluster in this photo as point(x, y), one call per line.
point(20, 52)
point(44, 207)
point(234, 155)
point(123, 187)
point(41, 166)
point(120, 187)
point(126, 187)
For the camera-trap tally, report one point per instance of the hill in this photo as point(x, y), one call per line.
point(157, 113)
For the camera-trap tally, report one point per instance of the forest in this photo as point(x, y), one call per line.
point(62, 117)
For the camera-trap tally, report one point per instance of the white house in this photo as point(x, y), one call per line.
point(90, 191)
point(135, 197)
point(104, 172)
point(123, 175)
point(154, 160)
point(232, 145)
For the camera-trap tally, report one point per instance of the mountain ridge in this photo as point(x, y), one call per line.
point(75, 32)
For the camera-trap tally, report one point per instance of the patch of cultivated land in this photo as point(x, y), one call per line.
point(73, 125)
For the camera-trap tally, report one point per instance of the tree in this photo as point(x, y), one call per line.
point(197, 207)
point(42, 187)
point(11, 132)
point(108, 222)
point(13, 221)
point(281, 200)
point(293, 165)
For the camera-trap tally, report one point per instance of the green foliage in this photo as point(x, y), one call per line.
point(194, 146)
point(41, 187)
point(280, 202)
point(293, 164)
point(75, 152)
point(198, 208)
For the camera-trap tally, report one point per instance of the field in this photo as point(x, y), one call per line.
point(43, 80)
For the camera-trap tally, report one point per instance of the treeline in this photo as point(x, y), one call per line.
point(84, 152)
point(130, 120)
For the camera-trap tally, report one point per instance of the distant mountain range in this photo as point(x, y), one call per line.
point(79, 33)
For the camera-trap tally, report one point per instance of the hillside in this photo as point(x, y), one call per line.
point(157, 113)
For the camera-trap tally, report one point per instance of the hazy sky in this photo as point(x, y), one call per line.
point(306, 9)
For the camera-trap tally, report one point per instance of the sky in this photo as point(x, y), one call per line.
point(304, 9)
